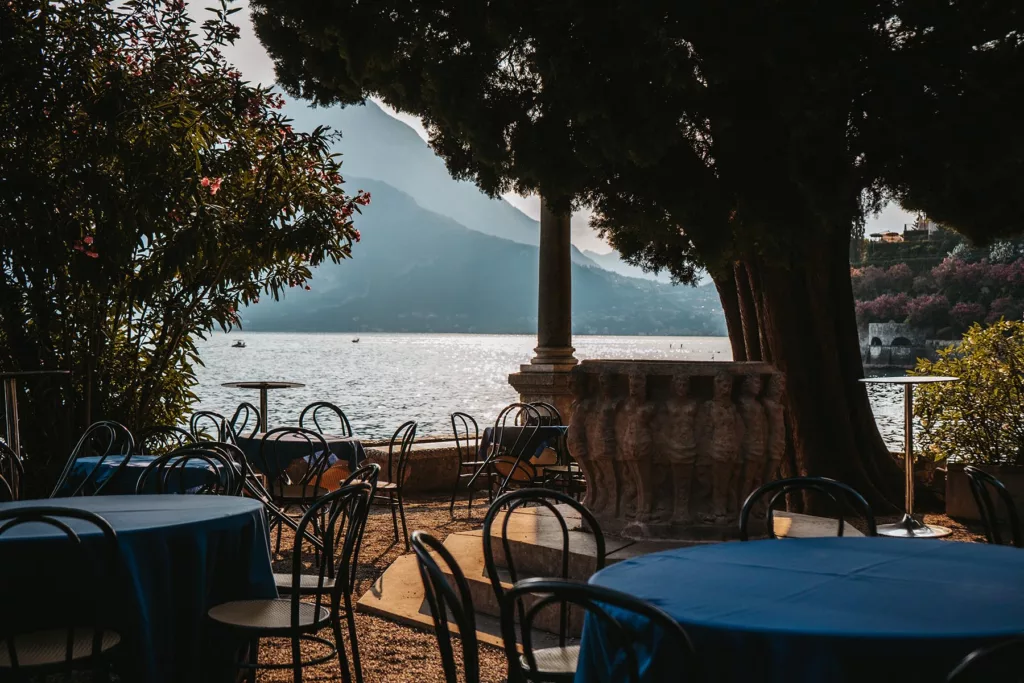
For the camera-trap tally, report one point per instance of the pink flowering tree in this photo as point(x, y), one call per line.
point(148, 193)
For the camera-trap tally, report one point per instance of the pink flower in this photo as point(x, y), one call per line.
point(215, 186)
point(205, 182)
point(359, 235)
point(308, 288)
point(92, 254)
point(87, 240)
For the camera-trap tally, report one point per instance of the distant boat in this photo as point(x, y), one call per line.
point(356, 340)
point(239, 344)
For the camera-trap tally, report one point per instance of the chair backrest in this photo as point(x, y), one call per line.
point(514, 434)
point(839, 493)
point(192, 469)
point(163, 439)
point(399, 449)
point(11, 466)
point(277, 450)
point(445, 600)
point(322, 410)
point(549, 414)
point(103, 440)
point(981, 485)
point(1000, 663)
point(549, 500)
point(222, 430)
point(467, 436)
point(338, 519)
point(628, 637)
point(240, 420)
point(92, 560)
point(367, 474)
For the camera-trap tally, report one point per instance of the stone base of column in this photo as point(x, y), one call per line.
point(545, 382)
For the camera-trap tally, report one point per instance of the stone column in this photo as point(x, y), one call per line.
point(546, 376)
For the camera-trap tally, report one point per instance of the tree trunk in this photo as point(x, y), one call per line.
point(807, 329)
point(728, 292)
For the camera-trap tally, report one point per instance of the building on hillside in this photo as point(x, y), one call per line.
point(897, 345)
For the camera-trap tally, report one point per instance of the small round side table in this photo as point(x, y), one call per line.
point(908, 527)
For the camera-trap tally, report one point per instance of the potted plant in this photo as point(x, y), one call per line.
point(980, 419)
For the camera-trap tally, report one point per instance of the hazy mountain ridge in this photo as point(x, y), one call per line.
point(419, 271)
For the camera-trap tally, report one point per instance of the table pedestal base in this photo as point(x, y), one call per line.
point(908, 527)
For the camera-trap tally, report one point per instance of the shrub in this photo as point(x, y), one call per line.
point(928, 311)
point(888, 307)
point(966, 314)
point(1005, 308)
point(979, 419)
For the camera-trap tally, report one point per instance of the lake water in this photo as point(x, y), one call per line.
point(386, 379)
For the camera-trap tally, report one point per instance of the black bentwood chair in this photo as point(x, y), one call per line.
point(207, 418)
point(322, 410)
point(513, 443)
point(344, 512)
point(549, 415)
point(467, 443)
point(239, 422)
point(624, 640)
point(839, 493)
point(44, 643)
point(213, 472)
point(981, 485)
point(10, 465)
point(389, 491)
point(444, 600)
point(101, 440)
point(163, 439)
point(561, 659)
point(1000, 663)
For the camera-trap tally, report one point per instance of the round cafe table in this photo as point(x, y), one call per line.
point(908, 527)
point(263, 387)
point(178, 556)
point(820, 609)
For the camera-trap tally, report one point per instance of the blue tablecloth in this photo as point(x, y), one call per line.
point(195, 473)
point(179, 556)
point(548, 436)
point(290, 447)
point(831, 609)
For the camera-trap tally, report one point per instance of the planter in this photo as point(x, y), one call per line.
point(672, 449)
point(959, 500)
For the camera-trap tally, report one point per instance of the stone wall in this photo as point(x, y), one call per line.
point(672, 449)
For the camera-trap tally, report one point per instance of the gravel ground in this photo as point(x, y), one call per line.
point(392, 653)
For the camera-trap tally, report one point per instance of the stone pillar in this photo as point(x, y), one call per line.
point(546, 376)
point(671, 449)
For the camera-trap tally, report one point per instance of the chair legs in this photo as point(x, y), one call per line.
point(296, 659)
point(401, 512)
point(350, 616)
point(346, 675)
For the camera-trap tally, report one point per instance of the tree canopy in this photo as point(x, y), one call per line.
point(147, 193)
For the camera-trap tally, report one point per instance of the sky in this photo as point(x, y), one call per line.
point(252, 60)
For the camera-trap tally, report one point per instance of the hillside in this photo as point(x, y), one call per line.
point(419, 271)
point(613, 262)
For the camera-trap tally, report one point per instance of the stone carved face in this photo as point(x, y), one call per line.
point(681, 386)
point(606, 384)
point(776, 385)
point(723, 385)
point(751, 385)
point(637, 386)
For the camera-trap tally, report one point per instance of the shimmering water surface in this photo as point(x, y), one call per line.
point(386, 379)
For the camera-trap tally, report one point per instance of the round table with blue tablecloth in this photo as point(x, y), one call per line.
point(822, 609)
point(178, 556)
point(286, 449)
point(195, 473)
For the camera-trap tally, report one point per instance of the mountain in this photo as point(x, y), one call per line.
point(379, 146)
point(613, 262)
point(416, 270)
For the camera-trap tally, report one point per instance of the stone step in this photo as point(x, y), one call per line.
point(398, 596)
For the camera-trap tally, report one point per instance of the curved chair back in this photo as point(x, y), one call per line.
point(445, 600)
point(1000, 663)
point(367, 474)
point(163, 439)
point(10, 466)
point(312, 414)
point(839, 493)
point(627, 637)
point(102, 440)
point(240, 420)
point(192, 469)
point(467, 436)
point(204, 418)
point(549, 500)
point(514, 434)
point(93, 561)
point(981, 485)
point(282, 446)
point(549, 414)
point(399, 449)
point(338, 519)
